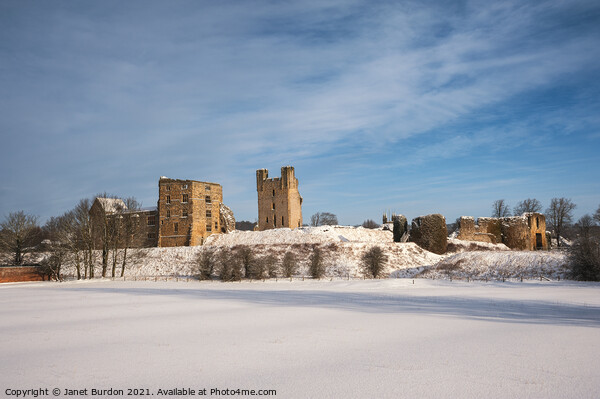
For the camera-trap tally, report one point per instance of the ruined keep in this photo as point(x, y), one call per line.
point(188, 211)
point(279, 202)
point(430, 233)
point(525, 232)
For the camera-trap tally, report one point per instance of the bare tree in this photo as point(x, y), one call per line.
point(60, 242)
point(225, 259)
point(500, 209)
point(597, 214)
point(370, 224)
point(115, 239)
point(584, 225)
point(83, 247)
point(106, 225)
point(373, 262)
point(246, 258)
point(269, 262)
point(559, 215)
point(19, 233)
point(315, 219)
point(317, 264)
point(230, 267)
point(289, 264)
point(258, 268)
point(129, 230)
point(528, 205)
point(584, 254)
point(206, 262)
point(264, 266)
point(323, 219)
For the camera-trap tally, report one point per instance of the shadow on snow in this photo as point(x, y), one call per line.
point(499, 310)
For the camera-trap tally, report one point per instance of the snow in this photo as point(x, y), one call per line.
point(343, 248)
point(111, 205)
point(456, 245)
point(342, 259)
point(501, 265)
point(313, 339)
point(304, 235)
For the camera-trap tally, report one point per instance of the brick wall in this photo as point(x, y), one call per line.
point(21, 273)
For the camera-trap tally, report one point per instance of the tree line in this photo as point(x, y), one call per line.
point(73, 238)
point(234, 264)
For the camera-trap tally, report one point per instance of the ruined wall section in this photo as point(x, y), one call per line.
point(279, 201)
point(470, 231)
point(491, 226)
point(537, 228)
point(515, 233)
point(527, 232)
point(430, 233)
point(400, 228)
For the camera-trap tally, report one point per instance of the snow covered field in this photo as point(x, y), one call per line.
point(313, 339)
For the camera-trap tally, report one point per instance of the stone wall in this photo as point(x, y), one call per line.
point(515, 233)
point(492, 226)
point(470, 231)
point(430, 233)
point(400, 228)
point(537, 228)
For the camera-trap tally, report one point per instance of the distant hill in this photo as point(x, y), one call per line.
point(245, 225)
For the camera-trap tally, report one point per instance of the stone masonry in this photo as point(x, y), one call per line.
point(430, 233)
point(526, 232)
point(279, 202)
point(188, 211)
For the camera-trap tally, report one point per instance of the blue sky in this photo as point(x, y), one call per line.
point(409, 106)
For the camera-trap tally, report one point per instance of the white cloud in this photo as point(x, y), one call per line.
point(233, 85)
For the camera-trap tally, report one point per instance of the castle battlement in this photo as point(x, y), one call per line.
point(279, 202)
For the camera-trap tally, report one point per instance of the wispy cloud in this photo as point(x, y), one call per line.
point(200, 89)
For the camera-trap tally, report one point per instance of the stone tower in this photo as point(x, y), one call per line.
point(188, 211)
point(279, 202)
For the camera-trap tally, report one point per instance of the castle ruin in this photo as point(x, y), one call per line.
point(279, 202)
point(525, 232)
point(187, 212)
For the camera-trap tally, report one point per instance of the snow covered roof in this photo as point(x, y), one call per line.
point(111, 205)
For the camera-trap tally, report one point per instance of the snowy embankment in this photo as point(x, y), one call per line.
point(305, 339)
point(500, 265)
point(303, 235)
point(343, 248)
point(456, 245)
